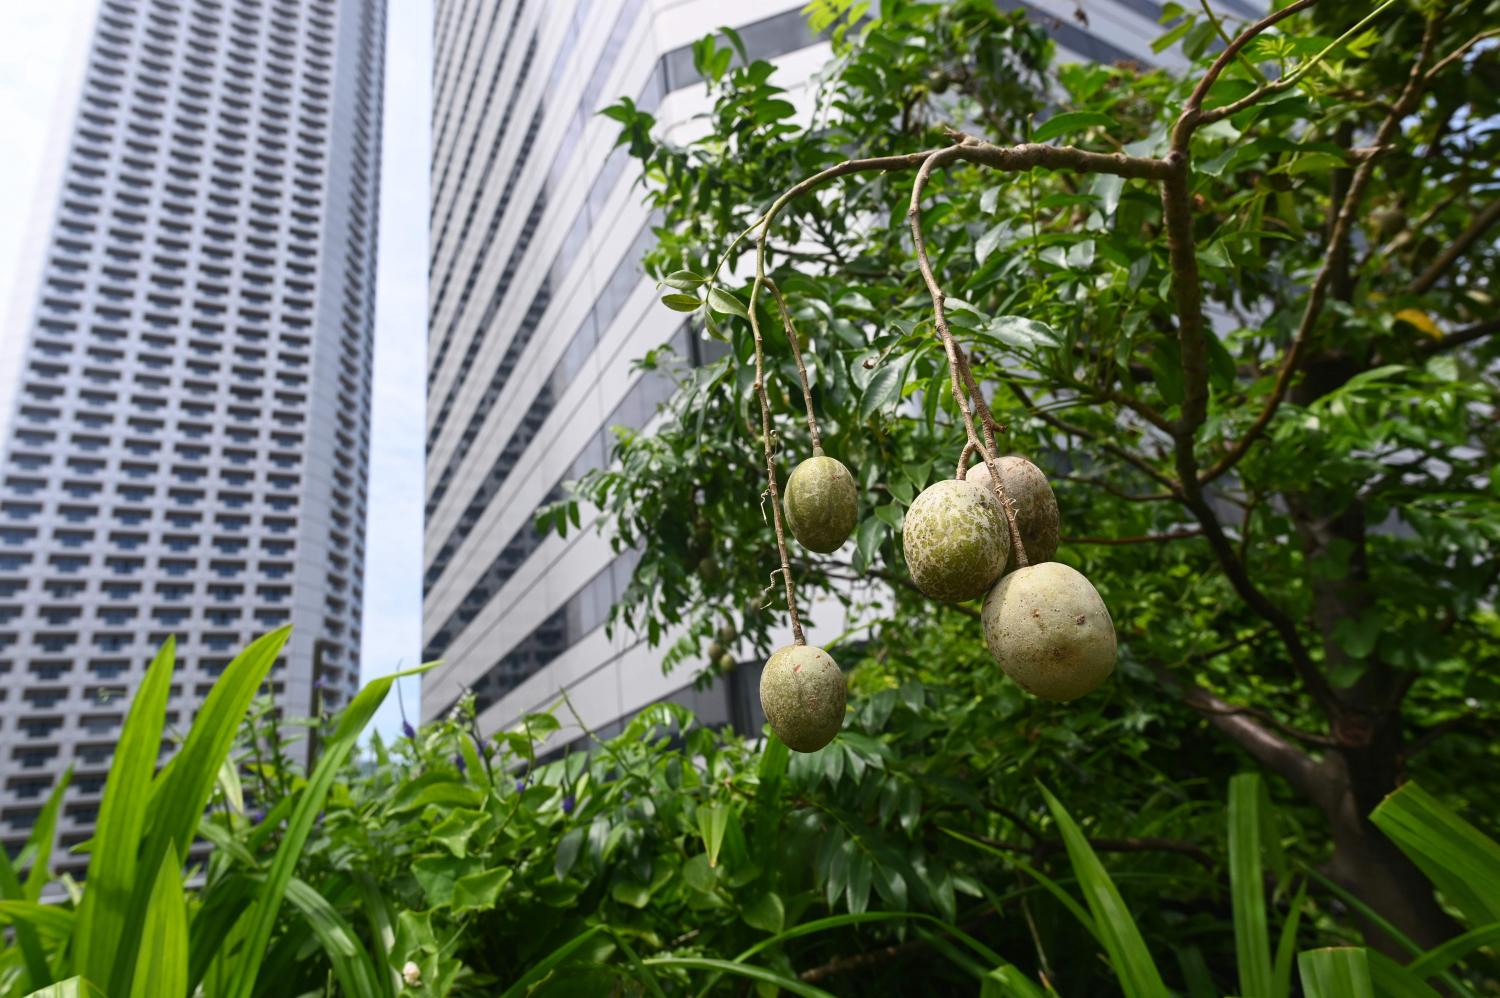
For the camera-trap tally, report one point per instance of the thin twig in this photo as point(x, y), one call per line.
point(765, 428)
point(791, 335)
point(1176, 535)
point(1456, 248)
point(1458, 53)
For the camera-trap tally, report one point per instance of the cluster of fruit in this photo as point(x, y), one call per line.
point(1044, 623)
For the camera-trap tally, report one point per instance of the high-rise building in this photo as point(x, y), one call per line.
point(538, 306)
point(186, 433)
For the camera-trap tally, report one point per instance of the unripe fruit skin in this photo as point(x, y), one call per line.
point(822, 503)
point(956, 540)
point(803, 693)
point(1050, 631)
point(1037, 518)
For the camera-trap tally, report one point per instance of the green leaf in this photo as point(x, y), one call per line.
point(109, 917)
point(39, 844)
point(1107, 188)
point(1169, 39)
point(766, 913)
point(48, 919)
point(1118, 933)
point(268, 902)
point(161, 966)
point(480, 891)
point(723, 302)
point(567, 851)
point(1335, 972)
point(1461, 860)
point(1286, 946)
point(1440, 958)
point(352, 964)
point(73, 987)
point(1247, 887)
point(857, 893)
point(891, 885)
point(1008, 982)
point(985, 244)
point(683, 280)
point(712, 823)
point(681, 303)
point(1069, 122)
point(883, 389)
point(790, 984)
point(867, 540)
point(1391, 980)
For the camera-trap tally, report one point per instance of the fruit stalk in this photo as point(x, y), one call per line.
point(791, 335)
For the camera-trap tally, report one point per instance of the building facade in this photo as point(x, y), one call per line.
point(538, 306)
point(186, 431)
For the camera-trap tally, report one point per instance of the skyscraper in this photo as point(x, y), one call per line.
point(187, 431)
point(538, 306)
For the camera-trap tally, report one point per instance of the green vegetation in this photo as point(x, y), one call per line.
point(1242, 328)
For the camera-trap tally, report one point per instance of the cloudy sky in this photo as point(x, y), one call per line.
point(40, 45)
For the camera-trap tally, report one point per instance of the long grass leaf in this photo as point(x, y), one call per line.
point(1247, 888)
point(1336, 972)
point(543, 967)
point(1461, 860)
point(1286, 945)
point(106, 921)
point(750, 971)
point(1391, 980)
point(73, 987)
point(219, 910)
point(1008, 982)
point(161, 966)
point(1122, 940)
point(377, 912)
point(299, 827)
point(1440, 958)
point(351, 962)
point(33, 956)
point(1047, 883)
point(49, 920)
point(40, 839)
point(646, 974)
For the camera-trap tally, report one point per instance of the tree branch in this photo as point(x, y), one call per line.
point(1336, 243)
point(1458, 339)
point(1458, 53)
point(1455, 249)
point(1144, 843)
point(1176, 535)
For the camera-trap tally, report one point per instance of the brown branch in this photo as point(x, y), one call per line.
point(1336, 243)
point(1176, 535)
point(791, 335)
point(1267, 718)
point(1455, 249)
point(860, 962)
point(1104, 486)
point(1108, 446)
point(1280, 756)
point(1458, 53)
point(1460, 338)
point(1187, 292)
point(1192, 113)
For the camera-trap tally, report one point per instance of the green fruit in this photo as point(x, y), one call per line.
point(1050, 631)
point(727, 632)
point(1036, 506)
point(708, 570)
point(822, 504)
point(803, 694)
point(956, 540)
point(714, 650)
point(726, 662)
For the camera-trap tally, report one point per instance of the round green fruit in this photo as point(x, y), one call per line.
point(822, 504)
point(803, 694)
point(956, 540)
point(1036, 507)
point(1050, 631)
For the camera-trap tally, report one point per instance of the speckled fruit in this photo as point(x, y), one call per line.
point(1050, 631)
point(803, 694)
point(1036, 506)
point(955, 540)
point(821, 503)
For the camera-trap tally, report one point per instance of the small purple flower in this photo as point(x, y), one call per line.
point(318, 684)
point(408, 730)
point(569, 802)
point(458, 760)
point(257, 816)
point(520, 786)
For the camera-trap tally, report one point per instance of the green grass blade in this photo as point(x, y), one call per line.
point(48, 920)
point(1367, 913)
point(1440, 958)
point(40, 839)
point(161, 966)
point(1461, 860)
point(351, 963)
point(1336, 972)
point(38, 972)
point(219, 911)
point(545, 966)
point(377, 912)
point(1122, 940)
point(73, 987)
point(106, 919)
point(1247, 888)
point(1047, 883)
point(1286, 946)
point(1008, 982)
point(754, 973)
point(1391, 980)
point(299, 827)
point(646, 974)
point(181, 794)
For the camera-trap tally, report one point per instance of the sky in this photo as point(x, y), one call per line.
point(40, 43)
